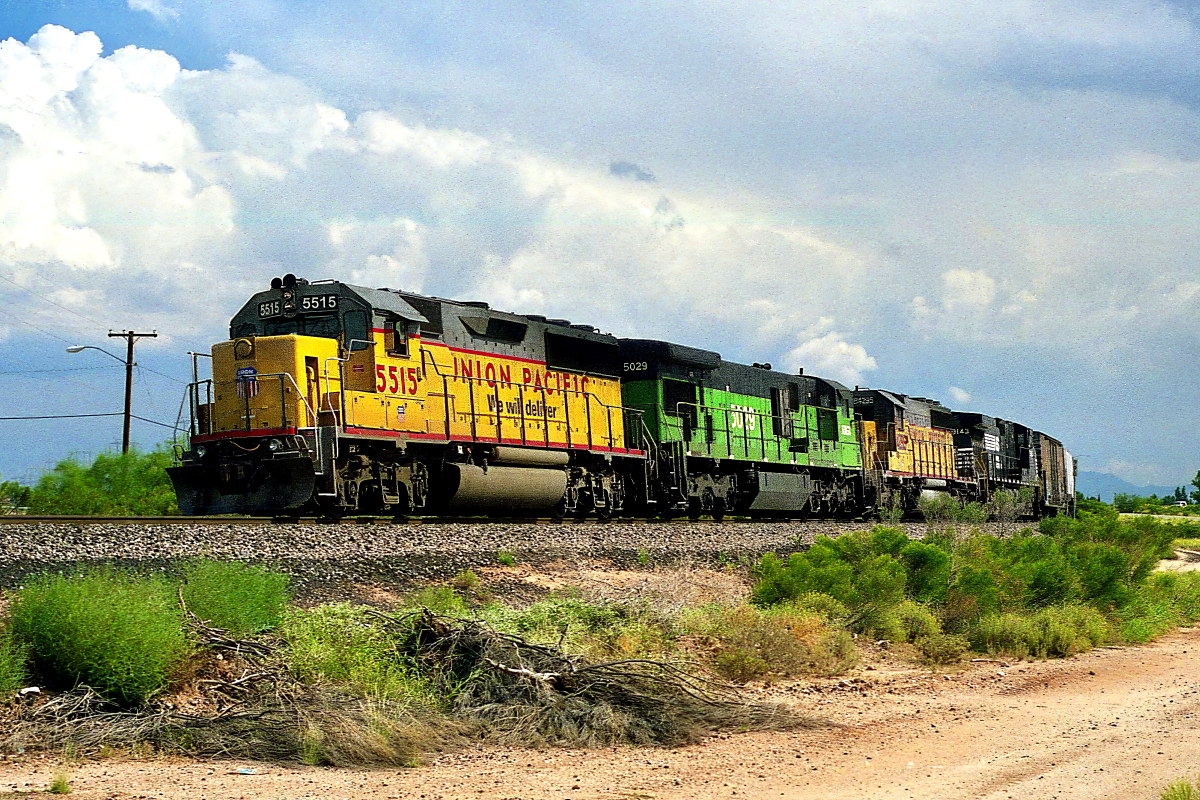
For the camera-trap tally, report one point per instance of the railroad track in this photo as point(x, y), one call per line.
point(85, 519)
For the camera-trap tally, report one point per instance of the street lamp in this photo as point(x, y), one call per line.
point(129, 363)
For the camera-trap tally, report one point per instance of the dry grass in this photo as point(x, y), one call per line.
point(498, 687)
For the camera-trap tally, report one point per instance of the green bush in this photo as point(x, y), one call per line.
point(439, 599)
point(943, 648)
point(830, 609)
point(1048, 593)
point(1162, 602)
point(742, 643)
point(466, 581)
point(120, 634)
point(601, 630)
point(13, 656)
point(916, 621)
point(13, 496)
point(928, 569)
point(1182, 789)
point(347, 646)
point(857, 569)
point(132, 483)
point(1047, 633)
point(237, 597)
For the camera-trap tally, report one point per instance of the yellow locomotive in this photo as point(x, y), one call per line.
point(338, 399)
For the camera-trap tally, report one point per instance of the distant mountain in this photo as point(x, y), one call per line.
point(1105, 485)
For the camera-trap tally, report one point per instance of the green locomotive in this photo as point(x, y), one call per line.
point(731, 438)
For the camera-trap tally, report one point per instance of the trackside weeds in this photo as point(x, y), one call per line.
point(219, 661)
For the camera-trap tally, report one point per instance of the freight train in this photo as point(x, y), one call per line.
point(331, 399)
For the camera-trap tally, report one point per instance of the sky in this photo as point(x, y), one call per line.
point(988, 203)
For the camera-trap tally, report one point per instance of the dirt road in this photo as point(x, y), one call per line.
point(1113, 723)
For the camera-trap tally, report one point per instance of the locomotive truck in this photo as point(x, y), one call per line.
point(332, 399)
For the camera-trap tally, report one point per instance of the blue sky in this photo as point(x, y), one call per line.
point(991, 203)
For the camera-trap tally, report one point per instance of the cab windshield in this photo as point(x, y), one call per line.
point(325, 325)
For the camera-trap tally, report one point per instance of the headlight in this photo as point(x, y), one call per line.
point(275, 445)
point(200, 451)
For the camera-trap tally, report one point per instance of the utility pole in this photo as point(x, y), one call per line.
point(129, 337)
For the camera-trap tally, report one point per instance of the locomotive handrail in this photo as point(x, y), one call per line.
point(194, 388)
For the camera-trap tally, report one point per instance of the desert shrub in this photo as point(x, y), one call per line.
point(830, 609)
point(858, 569)
point(941, 507)
point(118, 633)
point(114, 483)
point(60, 782)
point(916, 621)
point(1046, 633)
point(928, 569)
point(347, 646)
point(1162, 602)
point(943, 648)
point(547, 620)
point(596, 629)
point(466, 580)
point(1104, 574)
point(439, 599)
point(742, 643)
point(239, 598)
point(972, 513)
point(1182, 789)
point(13, 656)
point(995, 588)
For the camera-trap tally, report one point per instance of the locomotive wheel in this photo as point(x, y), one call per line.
point(718, 509)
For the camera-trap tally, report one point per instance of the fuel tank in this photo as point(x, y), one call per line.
point(505, 488)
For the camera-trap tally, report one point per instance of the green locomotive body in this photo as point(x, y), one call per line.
point(742, 439)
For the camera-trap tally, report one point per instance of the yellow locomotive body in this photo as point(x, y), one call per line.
point(427, 391)
point(387, 415)
point(905, 452)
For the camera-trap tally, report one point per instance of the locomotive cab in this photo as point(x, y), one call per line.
point(303, 363)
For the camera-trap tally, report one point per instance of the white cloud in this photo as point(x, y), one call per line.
point(831, 356)
point(963, 288)
point(958, 395)
point(946, 186)
point(131, 168)
point(379, 253)
point(158, 8)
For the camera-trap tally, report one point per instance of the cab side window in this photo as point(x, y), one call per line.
point(397, 338)
point(357, 332)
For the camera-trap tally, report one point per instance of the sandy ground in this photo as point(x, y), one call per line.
point(1112, 723)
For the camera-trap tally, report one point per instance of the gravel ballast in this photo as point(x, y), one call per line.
point(397, 553)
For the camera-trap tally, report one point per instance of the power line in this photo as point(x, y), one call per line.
point(60, 369)
point(35, 327)
point(161, 374)
point(160, 424)
point(69, 416)
point(81, 416)
point(51, 302)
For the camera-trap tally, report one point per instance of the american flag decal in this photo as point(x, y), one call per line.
point(247, 383)
point(358, 368)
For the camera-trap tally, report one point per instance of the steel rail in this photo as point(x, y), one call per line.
point(83, 519)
